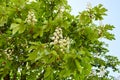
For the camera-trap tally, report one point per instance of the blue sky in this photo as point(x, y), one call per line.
point(113, 18)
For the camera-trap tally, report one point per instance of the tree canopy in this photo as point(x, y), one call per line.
point(42, 40)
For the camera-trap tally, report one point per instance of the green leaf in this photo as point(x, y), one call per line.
point(85, 18)
point(2, 21)
point(41, 33)
point(99, 12)
point(22, 29)
point(54, 53)
point(18, 20)
point(15, 28)
point(32, 51)
point(48, 72)
point(35, 35)
point(14, 25)
point(32, 56)
point(79, 67)
point(109, 36)
point(108, 27)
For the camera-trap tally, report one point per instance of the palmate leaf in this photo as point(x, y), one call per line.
point(20, 28)
point(109, 36)
point(15, 28)
point(39, 31)
point(108, 27)
point(3, 20)
point(48, 73)
point(32, 56)
point(99, 12)
point(85, 18)
point(18, 20)
point(79, 67)
point(32, 51)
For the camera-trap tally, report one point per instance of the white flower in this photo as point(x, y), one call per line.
point(60, 42)
point(61, 50)
point(52, 38)
point(64, 40)
point(19, 69)
point(28, 21)
point(55, 34)
point(30, 1)
point(102, 71)
point(93, 72)
point(51, 43)
point(61, 36)
point(89, 6)
point(31, 19)
point(57, 29)
point(96, 55)
point(62, 8)
point(58, 39)
point(55, 41)
point(34, 20)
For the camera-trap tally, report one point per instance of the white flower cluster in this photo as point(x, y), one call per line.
point(62, 8)
point(31, 19)
point(58, 39)
point(30, 1)
point(89, 5)
point(96, 55)
point(101, 72)
point(93, 72)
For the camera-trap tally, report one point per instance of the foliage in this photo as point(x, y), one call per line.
point(41, 40)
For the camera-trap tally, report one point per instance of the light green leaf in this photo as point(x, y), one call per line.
point(14, 27)
point(18, 20)
point(48, 72)
point(35, 35)
point(32, 56)
point(41, 33)
point(79, 67)
point(109, 27)
point(22, 29)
